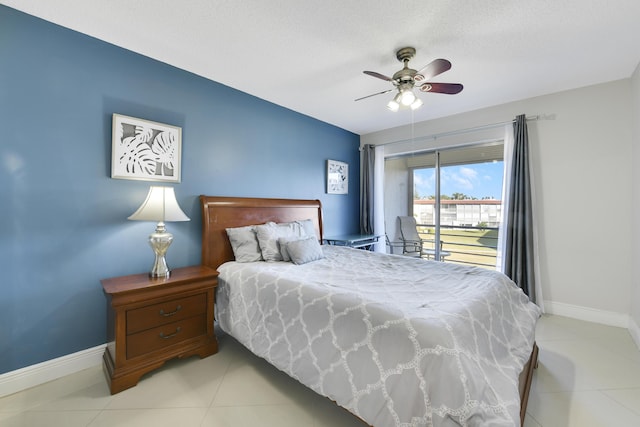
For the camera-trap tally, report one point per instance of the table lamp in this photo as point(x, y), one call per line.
point(161, 206)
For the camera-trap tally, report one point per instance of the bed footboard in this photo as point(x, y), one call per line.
point(525, 381)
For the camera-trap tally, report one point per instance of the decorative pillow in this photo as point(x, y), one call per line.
point(307, 226)
point(305, 250)
point(269, 233)
point(282, 243)
point(245, 243)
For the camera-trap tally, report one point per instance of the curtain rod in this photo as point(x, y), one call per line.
point(467, 130)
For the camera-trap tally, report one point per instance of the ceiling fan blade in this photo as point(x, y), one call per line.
point(432, 69)
point(448, 88)
point(378, 75)
point(374, 94)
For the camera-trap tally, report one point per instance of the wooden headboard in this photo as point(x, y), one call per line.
point(220, 213)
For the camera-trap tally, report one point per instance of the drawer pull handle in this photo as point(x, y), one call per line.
point(171, 313)
point(166, 337)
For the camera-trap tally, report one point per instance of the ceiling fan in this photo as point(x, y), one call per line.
point(407, 78)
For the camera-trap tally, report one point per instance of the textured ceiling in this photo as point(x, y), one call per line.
point(309, 55)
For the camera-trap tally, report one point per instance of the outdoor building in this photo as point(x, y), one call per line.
point(462, 213)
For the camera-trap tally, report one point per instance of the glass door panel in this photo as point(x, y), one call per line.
point(457, 202)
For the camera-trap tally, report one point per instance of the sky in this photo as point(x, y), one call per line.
point(477, 180)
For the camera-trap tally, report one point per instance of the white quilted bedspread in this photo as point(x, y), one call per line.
point(397, 341)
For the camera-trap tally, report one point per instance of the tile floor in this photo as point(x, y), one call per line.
point(589, 375)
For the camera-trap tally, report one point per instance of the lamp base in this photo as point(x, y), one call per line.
point(160, 240)
point(160, 268)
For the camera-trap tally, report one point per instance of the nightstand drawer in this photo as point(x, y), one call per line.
point(165, 335)
point(166, 312)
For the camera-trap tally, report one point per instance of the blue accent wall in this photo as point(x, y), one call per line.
point(63, 223)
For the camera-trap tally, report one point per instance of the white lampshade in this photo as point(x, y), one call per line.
point(160, 206)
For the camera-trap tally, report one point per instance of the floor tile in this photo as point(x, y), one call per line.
point(82, 390)
point(180, 383)
point(529, 421)
point(188, 383)
point(583, 365)
point(629, 398)
point(159, 417)
point(580, 409)
point(252, 381)
point(48, 418)
point(259, 415)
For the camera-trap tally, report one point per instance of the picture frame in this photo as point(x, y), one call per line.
point(337, 177)
point(145, 150)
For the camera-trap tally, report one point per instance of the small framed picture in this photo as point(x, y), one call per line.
point(337, 177)
point(145, 150)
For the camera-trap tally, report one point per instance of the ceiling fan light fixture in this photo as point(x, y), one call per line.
point(416, 104)
point(406, 79)
point(407, 97)
point(401, 100)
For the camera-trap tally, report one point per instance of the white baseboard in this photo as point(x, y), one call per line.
point(31, 376)
point(587, 314)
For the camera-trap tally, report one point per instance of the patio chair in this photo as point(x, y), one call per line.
point(413, 244)
point(393, 245)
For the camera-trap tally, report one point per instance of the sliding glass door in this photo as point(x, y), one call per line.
point(456, 200)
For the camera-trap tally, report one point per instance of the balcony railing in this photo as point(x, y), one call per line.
point(467, 245)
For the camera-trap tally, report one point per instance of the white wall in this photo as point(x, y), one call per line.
point(635, 235)
point(582, 156)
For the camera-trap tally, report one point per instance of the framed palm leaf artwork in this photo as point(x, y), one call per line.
point(337, 177)
point(145, 150)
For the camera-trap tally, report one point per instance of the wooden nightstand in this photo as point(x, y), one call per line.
point(152, 320)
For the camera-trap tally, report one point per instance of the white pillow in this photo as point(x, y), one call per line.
point(307, 226)
point(308, 229)
point(244, 243)
point(269, 233)
point(304, 250)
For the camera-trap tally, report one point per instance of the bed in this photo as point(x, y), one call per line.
point(433, 344)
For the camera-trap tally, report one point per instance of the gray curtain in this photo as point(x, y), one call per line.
point(366, 199)
point(519, 250)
